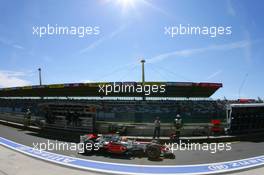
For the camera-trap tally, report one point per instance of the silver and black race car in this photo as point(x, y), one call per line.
point(115, 144)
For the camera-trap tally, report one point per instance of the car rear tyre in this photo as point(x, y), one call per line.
point(153, 152)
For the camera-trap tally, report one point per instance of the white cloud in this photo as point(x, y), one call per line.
point(214, 74)
point(12, 79)
point(18, 46)
point(189, 52)
point(10, 43)
point(103, 39)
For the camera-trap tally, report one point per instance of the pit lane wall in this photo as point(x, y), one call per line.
point(132, 129)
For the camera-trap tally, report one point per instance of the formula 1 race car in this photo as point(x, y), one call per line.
point(115, 144)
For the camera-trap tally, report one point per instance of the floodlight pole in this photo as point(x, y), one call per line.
point(40, 81)
point(143, 71)
point(143, 76)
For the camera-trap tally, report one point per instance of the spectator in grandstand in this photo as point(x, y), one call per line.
point(156, 128)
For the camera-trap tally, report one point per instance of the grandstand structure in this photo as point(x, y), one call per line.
point(173, 89)
point(121, 112)
point(65, 103)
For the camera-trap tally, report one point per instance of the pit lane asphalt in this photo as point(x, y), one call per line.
point(240, 150)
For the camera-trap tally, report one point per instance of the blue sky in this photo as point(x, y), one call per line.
point(130, 31)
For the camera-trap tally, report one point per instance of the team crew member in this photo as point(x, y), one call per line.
point(177, 122)
point(27, 117)
point(178, 125)
point(156, 128)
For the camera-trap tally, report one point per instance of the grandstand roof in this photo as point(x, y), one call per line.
point(173, 89)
